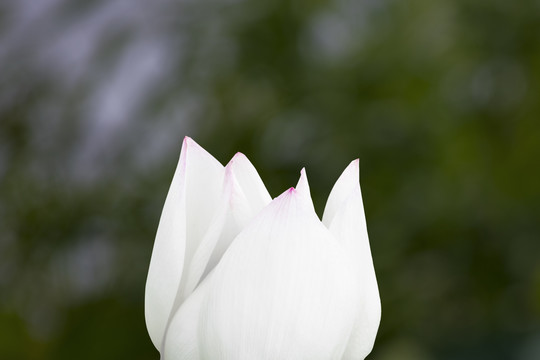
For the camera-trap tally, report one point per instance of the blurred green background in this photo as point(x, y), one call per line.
point(440, 100)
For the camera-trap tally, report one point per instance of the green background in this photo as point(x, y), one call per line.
point(440, 100)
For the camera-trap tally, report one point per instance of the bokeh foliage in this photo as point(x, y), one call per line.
point(439, 100)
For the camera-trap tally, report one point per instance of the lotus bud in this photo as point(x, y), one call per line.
point(235, 275)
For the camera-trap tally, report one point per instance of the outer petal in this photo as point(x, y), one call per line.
point(341, 190)
point(196, 186)
point(285, 289)
point(302, 190)
point(349, 226)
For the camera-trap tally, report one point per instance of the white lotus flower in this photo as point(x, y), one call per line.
point(235, 275)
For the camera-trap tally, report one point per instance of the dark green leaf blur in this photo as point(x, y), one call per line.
point(440, 100)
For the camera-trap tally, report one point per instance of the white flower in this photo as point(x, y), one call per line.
point(235, 275)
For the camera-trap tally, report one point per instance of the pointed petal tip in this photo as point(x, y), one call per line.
point(234, 163)
point(303, 190)
point(353, 169)
point(187, 140)
point(354, 165)
point(190, 142)
point(193, 145)
point(348, 182)
point(286, 194)
point(302, 181)
point(239, 155)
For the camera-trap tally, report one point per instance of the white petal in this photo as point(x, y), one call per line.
point(182, 337)
point(248, 196)
point(196, 186)
point(243, 196)
point(348, 225)
point(251, 186)
point(285, 289)
point(302, 189)
point(222, 226)
point(342, 188)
